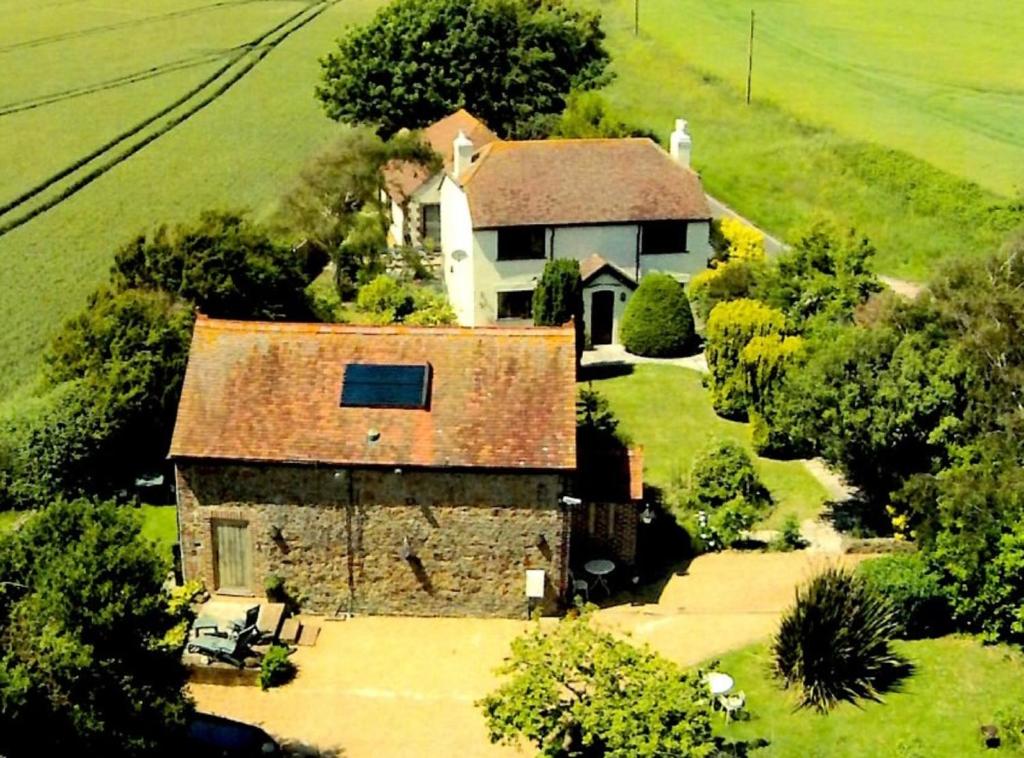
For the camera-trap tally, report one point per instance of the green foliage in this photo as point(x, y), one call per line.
point(594, 416)
point(224, 264)
point(725, 488)
point(587, 116)
point(789, 537)
point(82, 620)
point(179, 606)
point(822, 279)
point(558, 297)
point(912, 590)
point(730, 328)
point(658, 321)
point(833, 644)
point(388, 301)
point(729, 280)
point(409, 66)
point(1010, 721)
point(276, 667)
point(573, 690)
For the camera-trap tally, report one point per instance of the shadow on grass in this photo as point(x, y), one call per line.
point(610, 370)
point(857, 517)
point(738, 748)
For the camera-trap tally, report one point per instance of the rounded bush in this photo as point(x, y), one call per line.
point(918, 602)
point(658, 322)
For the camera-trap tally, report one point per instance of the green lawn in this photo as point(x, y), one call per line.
point(667, 410)
point(957, 686)
point(239, 151)
point(837, 84)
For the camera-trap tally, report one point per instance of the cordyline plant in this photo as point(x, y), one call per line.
point(833, 645)
point(573, 690)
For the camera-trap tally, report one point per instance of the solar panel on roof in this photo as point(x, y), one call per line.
point(381, 385)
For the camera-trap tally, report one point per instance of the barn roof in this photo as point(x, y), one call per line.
point(266, 391)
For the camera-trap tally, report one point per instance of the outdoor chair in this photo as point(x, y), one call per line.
point(578, 587)
point(231, 650)
point(211, 626)
point(732, 705)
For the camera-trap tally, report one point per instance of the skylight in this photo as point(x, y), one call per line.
point(382, 385)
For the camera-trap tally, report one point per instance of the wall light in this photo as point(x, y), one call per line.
point(647, 514)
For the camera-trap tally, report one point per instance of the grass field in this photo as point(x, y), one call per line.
point(667, 410)
point(854, 103)
point(240, 150)
point(957, 686)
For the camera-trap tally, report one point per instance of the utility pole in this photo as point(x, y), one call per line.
point(636, 18)
point(750, 54)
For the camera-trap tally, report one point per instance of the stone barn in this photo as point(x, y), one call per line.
point(387, 470)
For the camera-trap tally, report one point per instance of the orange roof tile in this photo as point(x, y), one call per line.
point(580, 181)
point(595, 264)
point(269, 391)
point(403, 178)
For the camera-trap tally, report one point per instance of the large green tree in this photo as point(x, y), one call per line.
point(83, 666)
point(511, 63)
point(576, 691)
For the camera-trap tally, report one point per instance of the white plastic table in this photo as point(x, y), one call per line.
point(599, 569)
point(719, 683)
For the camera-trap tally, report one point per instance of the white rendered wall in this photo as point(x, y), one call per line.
point(457, 237)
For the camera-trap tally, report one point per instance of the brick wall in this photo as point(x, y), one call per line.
point(605, 530)
point(472, 535)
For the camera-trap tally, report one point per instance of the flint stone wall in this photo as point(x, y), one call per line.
point(472, 535)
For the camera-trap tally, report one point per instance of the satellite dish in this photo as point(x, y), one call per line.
point(459, 255)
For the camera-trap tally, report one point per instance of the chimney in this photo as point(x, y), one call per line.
point(680, 144)
point(462, 154)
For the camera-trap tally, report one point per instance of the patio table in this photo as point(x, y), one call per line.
point(599, 569)
point(719, 683)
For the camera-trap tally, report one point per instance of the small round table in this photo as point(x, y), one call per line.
point(599, 569)
point(719, 683)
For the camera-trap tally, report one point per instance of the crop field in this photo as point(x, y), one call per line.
point(904, 119)
point(117, 115)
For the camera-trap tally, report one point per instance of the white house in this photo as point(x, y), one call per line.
point(622, 207)
point(413, 194)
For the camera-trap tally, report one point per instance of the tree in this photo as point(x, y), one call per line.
point(83, 669)
point(224, 264)
point(509, 62)
point(658, 321)
point(588, 116)
point(335, 206)
point(558, 297)
point(765, 361)
point(731, 326)
point(577, 691)
point(728, 280)
point(389, 301)
point(822, 279)
point(725, 486)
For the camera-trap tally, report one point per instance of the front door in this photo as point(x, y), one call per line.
point(231, 543)
point(602, 314)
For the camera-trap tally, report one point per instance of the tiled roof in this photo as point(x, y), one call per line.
point(262, 391)
point(403, 178)
point(580, 181)
point(595, 264)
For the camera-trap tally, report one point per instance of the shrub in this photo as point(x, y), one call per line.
point(730, 280)
point(725, 486)
point(789, 537)
point(742, 241)
point(731, 327)
point(834, 643)
point(389, 301)
point(276, 668)
point(919, 604)
point(658, 321)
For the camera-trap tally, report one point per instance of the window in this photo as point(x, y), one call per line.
point(515, 304)
point(521, 243)
point(380, 385)
point(663, 237)
point(430, 223)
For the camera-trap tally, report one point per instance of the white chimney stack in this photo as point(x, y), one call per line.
point(462, 154)
point(680, 144)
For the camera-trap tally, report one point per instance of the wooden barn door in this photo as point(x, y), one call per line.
point(231, 541)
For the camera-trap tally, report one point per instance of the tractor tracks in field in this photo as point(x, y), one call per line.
point(61, 185)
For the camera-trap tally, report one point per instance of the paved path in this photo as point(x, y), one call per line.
point(616, 355)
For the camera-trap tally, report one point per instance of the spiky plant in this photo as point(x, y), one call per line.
point(834, 643)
